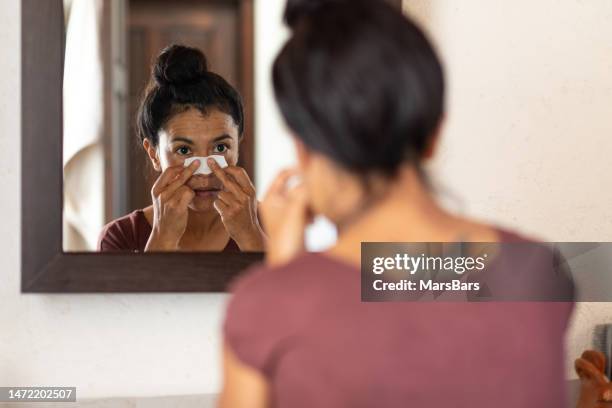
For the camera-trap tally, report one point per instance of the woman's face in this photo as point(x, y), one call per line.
point(189, 134)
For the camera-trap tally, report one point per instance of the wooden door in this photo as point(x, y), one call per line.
point(222, 29)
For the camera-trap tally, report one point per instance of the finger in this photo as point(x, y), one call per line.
point(185, 196)
point(228, 182)
point(298, 197)
point(220, 206)
point(586, 370)
point(242, 178)
point(298, 191)
point(597, 358)
point(279, 183)
point(181, 198)
point(167, 177)
point(182, 177)
point(226, 197)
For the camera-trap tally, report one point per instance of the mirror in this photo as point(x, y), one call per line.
point(110, 49)
point(105, 173)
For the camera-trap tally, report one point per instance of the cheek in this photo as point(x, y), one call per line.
point(168, 159)
point(314, 188)
point(318, 200)
point(319, 182)
point(232, 157)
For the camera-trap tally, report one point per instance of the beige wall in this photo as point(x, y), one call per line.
point(106, 345)
point(528, 137)
point(528, 141)
point(552, 135)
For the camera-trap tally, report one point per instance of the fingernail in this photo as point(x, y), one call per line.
point(211, 162)
point(195, 163)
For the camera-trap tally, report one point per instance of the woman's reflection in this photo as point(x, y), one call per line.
point(188, 111)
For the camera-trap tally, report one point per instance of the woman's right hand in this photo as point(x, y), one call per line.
point(285, 214)
point(171, 198)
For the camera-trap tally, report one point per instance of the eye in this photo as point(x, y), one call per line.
point(221, 148)
point(183, 150)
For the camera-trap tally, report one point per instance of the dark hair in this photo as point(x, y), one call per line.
point(359, 82)
point(181, 79)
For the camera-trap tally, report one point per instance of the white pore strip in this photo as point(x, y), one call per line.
point(204, 169)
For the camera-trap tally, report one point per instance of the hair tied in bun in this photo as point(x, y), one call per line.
point(179, 65)
point(180, 79)
point(296, 10)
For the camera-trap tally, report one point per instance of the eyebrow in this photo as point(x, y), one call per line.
point(189, 141)
point(222, 137)
point(181, 139)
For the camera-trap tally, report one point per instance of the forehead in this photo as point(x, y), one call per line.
point(194, 123)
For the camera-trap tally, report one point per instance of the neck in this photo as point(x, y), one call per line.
point(407, 196)
point(406, 211)
point(202, 223)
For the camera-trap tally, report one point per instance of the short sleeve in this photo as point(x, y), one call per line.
point(110, 239)
point(255, 326)
point(117, 236)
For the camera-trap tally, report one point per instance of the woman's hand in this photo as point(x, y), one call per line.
point(595, 387)
point(237, 205)
point(285, 215)
point(171, 198)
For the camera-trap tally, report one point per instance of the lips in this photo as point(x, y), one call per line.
point(204, 186)
point(206, 192)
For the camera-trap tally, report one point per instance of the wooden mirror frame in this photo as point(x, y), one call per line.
point(45, 267)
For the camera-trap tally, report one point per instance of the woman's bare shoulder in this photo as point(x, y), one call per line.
point(472, 230)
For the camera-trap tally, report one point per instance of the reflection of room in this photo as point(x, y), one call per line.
point(110, 46)
point(109, 49)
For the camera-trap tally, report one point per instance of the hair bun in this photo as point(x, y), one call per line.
point(179, 65)
point(296, 10)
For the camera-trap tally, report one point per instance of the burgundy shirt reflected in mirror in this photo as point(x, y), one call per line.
point(131, 233)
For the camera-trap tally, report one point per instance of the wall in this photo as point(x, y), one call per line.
point(527, 140)
point(119, 345)
point(274, 149)
point(106, 345)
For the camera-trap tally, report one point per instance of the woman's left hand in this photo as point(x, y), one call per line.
point(237, 205)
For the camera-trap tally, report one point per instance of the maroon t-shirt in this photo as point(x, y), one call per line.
point(131, 233)
point(304, 327)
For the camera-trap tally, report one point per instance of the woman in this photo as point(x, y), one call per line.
point(363, 92)
point(188, 111)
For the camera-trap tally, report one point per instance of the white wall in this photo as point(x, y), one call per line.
point(274, 149)
point(113, 345)
point(106, 345)
point(528, 141)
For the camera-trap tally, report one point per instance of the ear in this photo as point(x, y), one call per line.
point(152, 153)
point(303, 153)
point(432, 149)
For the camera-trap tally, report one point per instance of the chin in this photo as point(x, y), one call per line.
point(202, 204)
